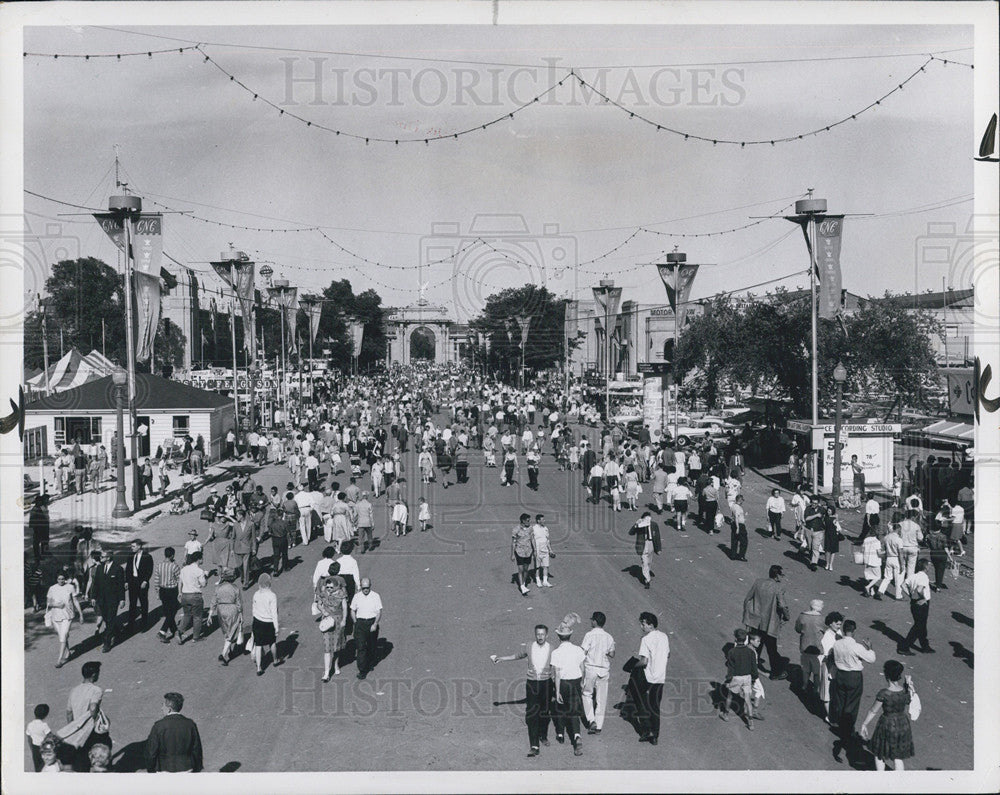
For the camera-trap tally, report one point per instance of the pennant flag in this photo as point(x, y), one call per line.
point(608, 299)
point(678, 278)
point(524, 321)
point(148, 313)
point(286, 299)
point(114, 227)
point(313, 307)
point(357, 336)
point(829, 229)
point(989, 143)
point(147, 243)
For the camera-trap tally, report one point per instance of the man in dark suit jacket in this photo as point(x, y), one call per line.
point(173, 745)
point(765, 610)
point(108, 592)
point(647, 543)
point(138, 573)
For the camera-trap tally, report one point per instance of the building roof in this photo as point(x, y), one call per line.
point(938, 300)
point(72, 370)
point(152, 393)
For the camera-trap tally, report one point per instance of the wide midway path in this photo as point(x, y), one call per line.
point(436, 702)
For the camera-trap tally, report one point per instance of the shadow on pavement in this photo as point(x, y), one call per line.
point(880, 626)
point(962, 653)
point(961, 618)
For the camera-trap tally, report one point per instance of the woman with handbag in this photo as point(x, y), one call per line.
point(62, 606)
point(831, 536)
point(331, 599)
point(227, 604)
point(894, 706)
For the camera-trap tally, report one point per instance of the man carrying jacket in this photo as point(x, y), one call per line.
point(647, 542)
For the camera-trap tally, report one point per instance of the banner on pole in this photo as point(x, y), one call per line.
point(147, 243)
point(313, 308)
point(147, 292)
point(357, 336)
point(607, 300)
point(829, 229)
point(114, 227)
point(239, 275)
point(678, 278)
point(524, 323)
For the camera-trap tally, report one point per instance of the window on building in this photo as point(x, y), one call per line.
point(182, 425)
point(70, 430)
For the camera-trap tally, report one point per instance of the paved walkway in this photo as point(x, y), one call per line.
point(435, 702)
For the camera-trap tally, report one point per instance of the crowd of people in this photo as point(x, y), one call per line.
point(350, 453)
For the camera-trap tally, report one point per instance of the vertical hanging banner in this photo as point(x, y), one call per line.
point(678, 278)
point(114, 227)
point(357, 336)
point(147, 295)
point(607, 300)
point(313, 307)
point(239, 275)
point(829, 229)
point(287, 300)
point(828, 237)
point(147, 243)
point(524, 323)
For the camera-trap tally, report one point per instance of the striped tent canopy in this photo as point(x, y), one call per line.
point(72, 370)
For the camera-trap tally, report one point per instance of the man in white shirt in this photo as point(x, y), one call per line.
point(599, 647)
point(366, 610)
point(872, 509)
point(918, 588)
point(893, 543)
point(775, 508)
point(654, 651)
point(192, 582)
point(538, 687)
point(304, 499)
point(848, 658)
point(349, 569)
point(911, 535)
point(323, 565)
point(567, 666)
point(596, 479)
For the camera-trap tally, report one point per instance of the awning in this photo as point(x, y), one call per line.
point(950, 431)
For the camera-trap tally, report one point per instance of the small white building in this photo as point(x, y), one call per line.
point(165, 410)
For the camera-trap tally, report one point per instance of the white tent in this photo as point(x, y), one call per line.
point(72, 370)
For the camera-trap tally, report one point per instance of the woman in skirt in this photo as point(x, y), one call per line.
point(62, 605)
point(331, 599)
point(265, 623)
point(893, 735)
point(227, 604)
point(342, 530)
point(221, 537)
point(632, 488)
point(831, 536)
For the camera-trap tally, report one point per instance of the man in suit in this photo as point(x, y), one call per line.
point(137, 576)
point(108, 592)
point(173, 745)
point(765, 609)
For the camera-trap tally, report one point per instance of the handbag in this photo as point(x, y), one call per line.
point(48, 619)
point(314, 609)
point(207, 514)
point(102, 724)
point(328, 623)
point(249, 644)
point(859, 557)
point(915, 706)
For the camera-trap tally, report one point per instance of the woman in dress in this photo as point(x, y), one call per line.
point(227, 604)
point(222, 533)
point(871, 552)
point(632, 488)
point(62, 606)
point(331, 598)
point(342, 530)
point(831, 537)
point(892, 738)
point(426, 464)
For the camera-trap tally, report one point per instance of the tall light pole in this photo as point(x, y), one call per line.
point(280, 291)
point(608, 297)
point(121, 510)
point(839, 375)
point(43, 304)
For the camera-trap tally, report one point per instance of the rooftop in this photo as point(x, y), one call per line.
point(152, 393)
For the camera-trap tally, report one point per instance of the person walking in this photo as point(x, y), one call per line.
point(871, 556)
point(331, 599)
point(680, 496)
point(365, 517)
point(940, 555)
point(911, 535)
point(653, 655)
point(893, 571)
point(166, 579)
point(538, 687)
point(227, 605)
point(137, 577)
point(174, 744)
point(892, 739)
point(366, 611)
point(847, 659)
point(62, 605)
point(775, 509)
point(543, 551)
point(245, 545)
point(764, 611)
point(738, 538)
point(741, 678)
point(595, 482)
point(567, 668)
point(522, 551)
point(918, 588)
point(108, 592)
point(831, 535)
point(38, 524)
point(811, 627)
point(193, 579)
point(86, 723)
point(647, 543)
point(264, 609)
point(599, 647)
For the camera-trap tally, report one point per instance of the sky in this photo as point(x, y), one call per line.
point(551, 190)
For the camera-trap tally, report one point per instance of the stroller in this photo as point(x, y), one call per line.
point(356, 466)
point(491, 458)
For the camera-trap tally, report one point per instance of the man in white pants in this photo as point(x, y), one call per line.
point(893, 543)
point(599, 647)
point(304, 499)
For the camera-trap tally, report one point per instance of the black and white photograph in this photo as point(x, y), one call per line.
point(500, 396)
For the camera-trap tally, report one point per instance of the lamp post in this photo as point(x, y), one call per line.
point(839, 375)
point(121, 510)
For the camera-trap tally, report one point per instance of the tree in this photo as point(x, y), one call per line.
point(82, 293)
point(764, 344)
point(340, 306)
point(168, 347)
point(546, 329)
